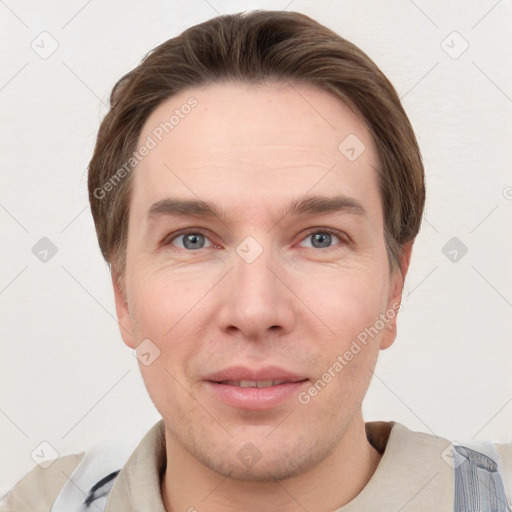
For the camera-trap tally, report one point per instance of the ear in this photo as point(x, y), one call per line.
point(397, 280)
point(123, 314)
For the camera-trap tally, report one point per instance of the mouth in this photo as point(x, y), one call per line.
point(256, 383)
point(246, 387)
point(255, 395)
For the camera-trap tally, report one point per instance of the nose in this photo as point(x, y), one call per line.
point(258, 300)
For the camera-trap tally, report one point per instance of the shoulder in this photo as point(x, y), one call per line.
point(72, 481)
point(39, 488)
point(392, 434)
point(504, 451)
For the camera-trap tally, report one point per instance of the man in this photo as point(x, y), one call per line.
point(256, 188)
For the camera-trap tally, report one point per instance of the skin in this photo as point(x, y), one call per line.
point(251, 149)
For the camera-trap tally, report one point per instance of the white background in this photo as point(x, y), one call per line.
point(67, 378)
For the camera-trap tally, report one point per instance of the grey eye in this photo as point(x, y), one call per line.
point(321, 239)
point(191, 241)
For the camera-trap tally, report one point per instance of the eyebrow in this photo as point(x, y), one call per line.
point(311, 205)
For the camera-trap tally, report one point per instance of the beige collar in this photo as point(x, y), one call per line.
point(411, 476)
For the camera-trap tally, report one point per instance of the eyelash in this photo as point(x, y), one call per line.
point(344, 239)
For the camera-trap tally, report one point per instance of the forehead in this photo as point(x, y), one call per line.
point(236, 142)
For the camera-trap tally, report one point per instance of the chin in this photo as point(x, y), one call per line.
point(274, 464)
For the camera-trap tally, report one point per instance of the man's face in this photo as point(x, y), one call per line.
point(258, 294)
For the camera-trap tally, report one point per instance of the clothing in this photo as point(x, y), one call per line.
point(412, 476)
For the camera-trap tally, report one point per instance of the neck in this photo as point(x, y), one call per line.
point(188, 485)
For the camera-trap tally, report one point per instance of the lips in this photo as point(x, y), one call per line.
point(244, 376)
point(252, 383)
point(253, 389)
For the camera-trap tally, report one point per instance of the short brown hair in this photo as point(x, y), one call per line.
point(256, 47)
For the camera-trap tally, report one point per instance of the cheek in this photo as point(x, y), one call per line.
point(160, 315)
point(159, 302)
point(347, 357)
point(348, 301)
point(349, 305)
point(168, 311)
